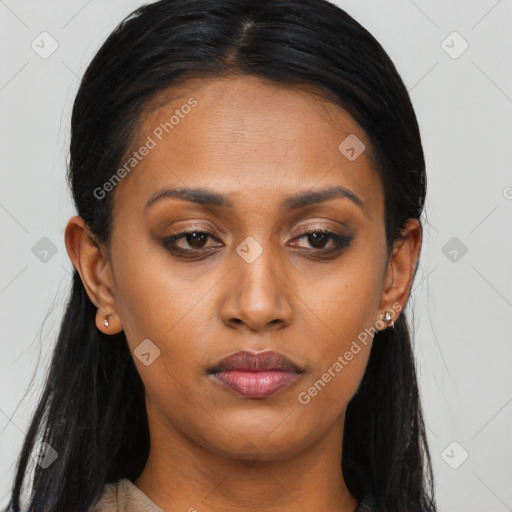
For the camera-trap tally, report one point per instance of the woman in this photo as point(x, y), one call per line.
point(249, 180)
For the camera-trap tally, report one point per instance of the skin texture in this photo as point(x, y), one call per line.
point(256, 142)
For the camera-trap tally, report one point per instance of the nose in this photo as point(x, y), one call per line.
point(257, 295)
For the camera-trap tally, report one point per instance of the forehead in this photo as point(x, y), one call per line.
point(250, 138)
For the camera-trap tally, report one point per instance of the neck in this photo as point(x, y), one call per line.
point(182, 475)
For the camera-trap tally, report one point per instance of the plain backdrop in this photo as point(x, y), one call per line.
point(454, 57)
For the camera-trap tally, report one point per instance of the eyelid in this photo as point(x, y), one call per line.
point(316, 225)
point(196, 227)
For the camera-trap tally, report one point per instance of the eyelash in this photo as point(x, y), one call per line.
point(340, 241)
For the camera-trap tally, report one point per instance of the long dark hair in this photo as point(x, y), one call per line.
point(92, 408)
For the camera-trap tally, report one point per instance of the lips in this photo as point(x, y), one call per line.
point(255, 375)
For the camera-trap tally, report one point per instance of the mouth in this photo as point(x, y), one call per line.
point(255, 375)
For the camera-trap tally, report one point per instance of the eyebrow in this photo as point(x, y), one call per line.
point(208, 197)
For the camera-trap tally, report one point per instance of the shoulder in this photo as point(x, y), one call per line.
point(108, 499)
point(123, 496)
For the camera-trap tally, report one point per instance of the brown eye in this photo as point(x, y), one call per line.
point(319, 238)
point(196, 240)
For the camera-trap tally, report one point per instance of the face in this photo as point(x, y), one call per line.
point(268, 264)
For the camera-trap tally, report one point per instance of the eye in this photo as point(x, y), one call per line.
point(319, 238)
point(195, 239)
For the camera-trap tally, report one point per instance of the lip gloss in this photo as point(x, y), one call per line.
point(255, 384)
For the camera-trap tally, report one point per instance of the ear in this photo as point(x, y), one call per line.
point(400, 270)
point(90, 260)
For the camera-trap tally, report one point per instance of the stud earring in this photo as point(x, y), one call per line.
point(387, 319)
point(105, 322)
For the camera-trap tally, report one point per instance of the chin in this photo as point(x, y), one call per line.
point(252, 447)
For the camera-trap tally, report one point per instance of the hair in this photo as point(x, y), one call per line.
point(92, 407)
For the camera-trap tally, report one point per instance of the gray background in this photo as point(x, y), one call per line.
point(462, 300)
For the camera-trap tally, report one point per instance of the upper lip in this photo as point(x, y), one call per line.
point(256, 361)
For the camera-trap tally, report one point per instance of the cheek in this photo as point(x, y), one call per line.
point(346, 306)
point(345, 302)
point(340, 355)
point(158, 304)
point(155, 301)
point(326, 394)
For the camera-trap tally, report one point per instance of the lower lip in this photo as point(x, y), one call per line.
point(259, 384)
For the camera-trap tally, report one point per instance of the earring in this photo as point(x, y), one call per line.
point(105, 322)
point(387, 319)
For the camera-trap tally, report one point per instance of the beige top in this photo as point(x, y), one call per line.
point(125, 496)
